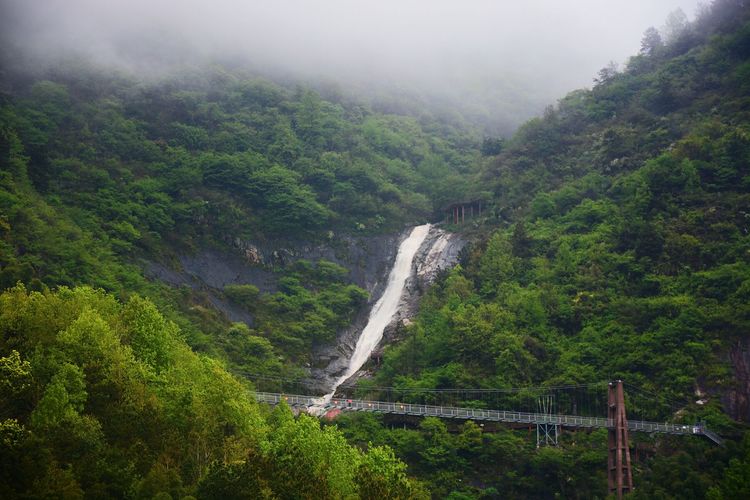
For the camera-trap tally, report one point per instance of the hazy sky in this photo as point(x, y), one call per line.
point(544, 47)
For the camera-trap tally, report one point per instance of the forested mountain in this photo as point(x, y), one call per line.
point(622, 253)
point(102, 173)
point(614, 244)
point(205, 154)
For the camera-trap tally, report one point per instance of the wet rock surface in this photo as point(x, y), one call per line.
point(209, 270)
point(440, 250)
point(368, 258)
point(736, 400)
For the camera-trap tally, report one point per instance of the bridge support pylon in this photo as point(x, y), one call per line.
point(619, 471)
point(546, 431)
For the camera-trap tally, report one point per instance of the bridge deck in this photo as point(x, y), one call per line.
point(478, 414)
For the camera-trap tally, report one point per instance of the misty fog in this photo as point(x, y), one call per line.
point(499, 61)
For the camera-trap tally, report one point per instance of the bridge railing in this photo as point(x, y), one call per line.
point(475, 414)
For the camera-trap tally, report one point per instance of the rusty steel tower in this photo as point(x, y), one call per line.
point(619, 471)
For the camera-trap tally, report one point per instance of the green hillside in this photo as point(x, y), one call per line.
point(104, 173)
point(101, 174)
point(104, 399)
point(614, 244)
point(143, 166)
point(622, 253)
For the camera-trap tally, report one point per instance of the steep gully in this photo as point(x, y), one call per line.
point(384, 309)
point(422, 252)
point(395, 284)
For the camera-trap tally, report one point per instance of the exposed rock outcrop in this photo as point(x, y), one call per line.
point(209, 270)
point(368, 258)
point(736, 400)
point(440, 250)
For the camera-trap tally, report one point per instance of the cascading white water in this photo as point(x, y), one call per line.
point(384, 309)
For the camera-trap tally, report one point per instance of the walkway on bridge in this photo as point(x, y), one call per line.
point(571, 421)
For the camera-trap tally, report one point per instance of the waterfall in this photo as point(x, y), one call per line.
point(384, 309)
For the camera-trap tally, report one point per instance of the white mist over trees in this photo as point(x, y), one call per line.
point(496, 61)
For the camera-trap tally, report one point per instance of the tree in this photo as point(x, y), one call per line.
point(607, 73)
point(492, 146)
point(520, 241)
point(382, 476)
point(244, 295)
point(288, 205)
point(150, 336)
point(15, 380)
point(736, 480)
point(651, 43)
point(63, 398)
point(675, 26)
point(304, 461)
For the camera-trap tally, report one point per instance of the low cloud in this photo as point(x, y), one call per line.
point(483, 51)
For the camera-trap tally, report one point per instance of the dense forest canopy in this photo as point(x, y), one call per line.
point(104, 172)
point(614, 244)
point(107, 400)
point(622, 253)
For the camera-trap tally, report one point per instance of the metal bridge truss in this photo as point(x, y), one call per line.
point(545, 419)
point(546, 434)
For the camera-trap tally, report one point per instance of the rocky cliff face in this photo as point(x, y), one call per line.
point(209, 270)
point(366, 257)
point(440, 250)
point(736, 400)
point(369, 259)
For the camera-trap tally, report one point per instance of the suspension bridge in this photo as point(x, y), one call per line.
point(507, 416)
point(550, 416)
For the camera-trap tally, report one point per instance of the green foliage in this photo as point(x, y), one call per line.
point(285, 204)
point(244, 295)
point(470, 462)
point(735, 482)
point(147, 333)
point(381, 475)
point(298, 316)
point(105, 399)
point(15, 379)
point(101, 176)
point(147, 161)
point(621, 252)
point(620, 249)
